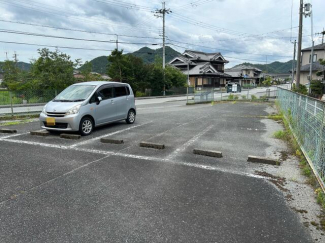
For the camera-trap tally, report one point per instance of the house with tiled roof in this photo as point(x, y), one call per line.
point(205, 70)
point(245, 74)
point(319, 53)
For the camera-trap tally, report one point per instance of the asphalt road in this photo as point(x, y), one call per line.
point(57, 190)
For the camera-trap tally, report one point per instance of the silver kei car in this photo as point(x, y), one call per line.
point(84, 106)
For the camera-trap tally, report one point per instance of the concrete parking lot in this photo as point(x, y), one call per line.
point(59, 190)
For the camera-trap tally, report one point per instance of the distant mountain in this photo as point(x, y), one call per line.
point(274, 67)
point(21, 65)
point(100, 64)
point(148, 55)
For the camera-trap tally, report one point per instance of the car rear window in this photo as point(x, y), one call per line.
point(120, 91)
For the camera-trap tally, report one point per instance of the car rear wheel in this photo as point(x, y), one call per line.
point(86, 126)
point(131, 117)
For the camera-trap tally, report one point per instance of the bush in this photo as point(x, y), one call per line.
point(253, 97)
point(302, 89)
point(231, 97)
point(243, 97)
point(236, 97)
point(139, 94)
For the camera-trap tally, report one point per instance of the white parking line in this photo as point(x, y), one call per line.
point(159, 107)
point(188, 143)
point(11, 136)
point(107, 135)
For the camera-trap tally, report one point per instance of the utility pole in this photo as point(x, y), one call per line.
point(299, 44)
point(293, 63)
point(321, 33)
point(308, 12)
point(161, 13)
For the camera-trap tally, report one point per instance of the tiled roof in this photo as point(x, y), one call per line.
point(243, 67)
point(316, 67)
point(317, 47)
point(204, 68)
point(197, 55)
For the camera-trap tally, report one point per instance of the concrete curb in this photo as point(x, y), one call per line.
point(209, 153)
point(70, 136)
point(262, 160)
point(4, 130)
point(152, 145)
point(113, 141)
point(40, 133)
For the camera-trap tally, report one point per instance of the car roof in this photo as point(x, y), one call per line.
point(98, 83)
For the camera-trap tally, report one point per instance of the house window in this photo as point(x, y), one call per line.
point(314, 58)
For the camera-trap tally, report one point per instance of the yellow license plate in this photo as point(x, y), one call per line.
point(50, 121)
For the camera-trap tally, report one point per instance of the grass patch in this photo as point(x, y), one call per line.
point(306, 170)
point(280, 135)
point(19, 117)
point(12, 123)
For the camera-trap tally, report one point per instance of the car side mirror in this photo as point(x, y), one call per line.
point(99, 99)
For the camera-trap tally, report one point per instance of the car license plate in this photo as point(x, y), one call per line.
point(50, 121)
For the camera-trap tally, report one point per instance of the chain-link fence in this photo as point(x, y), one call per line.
point(211, 94)
point(25, 101)
point(306, 117)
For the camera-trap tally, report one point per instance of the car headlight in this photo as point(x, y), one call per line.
point(73, 110)
point(44, 109)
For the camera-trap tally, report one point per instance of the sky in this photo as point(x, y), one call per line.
point(255, 31)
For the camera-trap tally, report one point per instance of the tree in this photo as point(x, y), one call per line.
point(52, 70)
point(267, 81)
point(116, 60)
point(316, 87)
point(86, 71)
point(11, 75)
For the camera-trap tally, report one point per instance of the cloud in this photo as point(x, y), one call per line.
point(239, 29)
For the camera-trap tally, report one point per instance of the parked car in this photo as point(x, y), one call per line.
point(84, 106)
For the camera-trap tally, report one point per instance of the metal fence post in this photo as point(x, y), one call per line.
point(322, 144)
point(11, 106)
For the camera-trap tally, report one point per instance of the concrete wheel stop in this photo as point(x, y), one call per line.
point(4, 130)
point(152, 145)
point(208, 153)
point(40, 133)
point(70, 136)
point(113, 141)
point(262, 160)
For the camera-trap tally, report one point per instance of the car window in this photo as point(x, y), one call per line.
point(120, 91)
point(106, 93)
point(93, 99)
point(127, 90)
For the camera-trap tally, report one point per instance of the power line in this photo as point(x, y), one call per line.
point(61, 12)
point(126, 5)
point(78, 30)
point(71, 38)
point(207, 47)
point(194, 3)
point(63, 47)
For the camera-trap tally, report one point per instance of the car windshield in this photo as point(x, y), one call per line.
point(75, 93)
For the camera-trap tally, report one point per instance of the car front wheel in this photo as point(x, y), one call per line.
point(86, 126)
point(131, 117)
